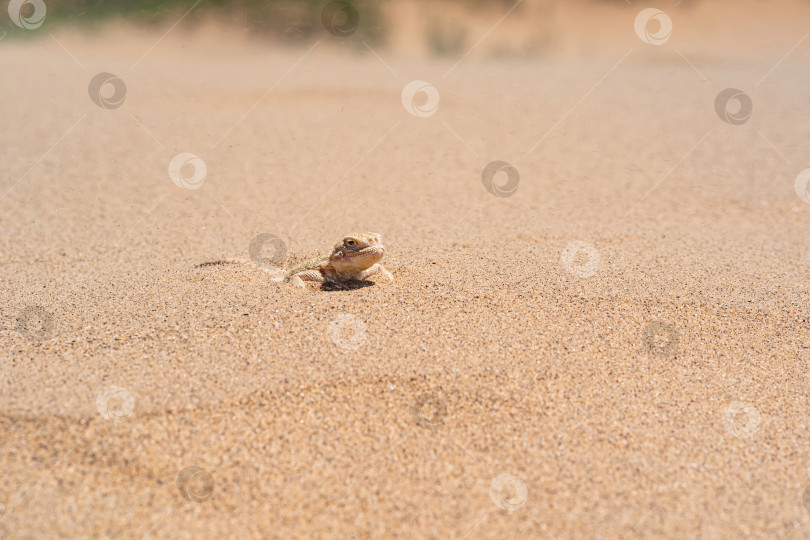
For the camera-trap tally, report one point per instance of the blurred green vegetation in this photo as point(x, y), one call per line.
point(283, 19)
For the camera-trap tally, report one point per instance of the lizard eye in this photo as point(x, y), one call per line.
point(350, 242)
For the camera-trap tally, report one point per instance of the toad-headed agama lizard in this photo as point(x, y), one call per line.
point(356, 257)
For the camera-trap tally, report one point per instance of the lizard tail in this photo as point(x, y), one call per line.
point(276, 273)
point(223, 262)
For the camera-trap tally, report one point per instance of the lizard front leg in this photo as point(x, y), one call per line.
point(376, 269)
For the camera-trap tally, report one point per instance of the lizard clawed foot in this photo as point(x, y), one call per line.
point(386, 274)
point(377, 269)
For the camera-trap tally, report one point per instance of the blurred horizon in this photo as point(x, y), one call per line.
point(446, 28)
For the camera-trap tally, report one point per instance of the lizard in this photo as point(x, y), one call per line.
point(354, 258)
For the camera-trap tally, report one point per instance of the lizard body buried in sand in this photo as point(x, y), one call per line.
point(354, 258)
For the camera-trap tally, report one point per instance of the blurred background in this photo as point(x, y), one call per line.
point(281, 99)
point(444, 27)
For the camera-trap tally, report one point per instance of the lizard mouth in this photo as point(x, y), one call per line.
point(374, 251)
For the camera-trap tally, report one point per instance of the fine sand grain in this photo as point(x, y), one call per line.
point(626, 335)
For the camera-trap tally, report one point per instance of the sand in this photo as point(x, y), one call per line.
point(616, 350)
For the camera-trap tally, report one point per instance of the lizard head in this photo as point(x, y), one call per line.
point(357, 252)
